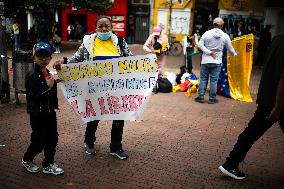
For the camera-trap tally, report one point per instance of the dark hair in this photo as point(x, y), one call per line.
point(217, 25)
point(101, 17)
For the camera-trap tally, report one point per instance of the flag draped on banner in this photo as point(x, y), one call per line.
point(236, 71)
point(112, 89)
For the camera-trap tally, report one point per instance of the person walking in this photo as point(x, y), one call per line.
point(270, 100)
point(264, 41)
point(16, 31)
point(212, 44)
point(70, 31)
point(103, 44)
point(56, 40)
point(157, 43)
point(41, 94)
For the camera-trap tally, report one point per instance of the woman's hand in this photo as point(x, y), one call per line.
point(57, 64)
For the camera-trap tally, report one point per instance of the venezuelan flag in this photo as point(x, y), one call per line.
point(236, 71)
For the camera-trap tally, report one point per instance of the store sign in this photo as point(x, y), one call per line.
point(258, 5)
point(117, 23)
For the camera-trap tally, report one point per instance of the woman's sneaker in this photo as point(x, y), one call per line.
point(90, 150)
point(53, 169)
point(121, 154)
point(30, 166)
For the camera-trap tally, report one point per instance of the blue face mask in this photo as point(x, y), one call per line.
point(104, 36)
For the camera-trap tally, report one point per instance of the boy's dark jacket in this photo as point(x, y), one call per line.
point(40, 99)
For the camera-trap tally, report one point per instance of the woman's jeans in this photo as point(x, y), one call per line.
point(116, 134)
point(206, 70)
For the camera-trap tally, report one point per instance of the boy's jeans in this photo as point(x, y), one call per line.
point(206, 70)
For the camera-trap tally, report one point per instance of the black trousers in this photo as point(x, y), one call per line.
point(44, 137)
point(116, 134)
point(257, 126)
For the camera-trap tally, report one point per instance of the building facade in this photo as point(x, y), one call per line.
point(84, 20)
point(181, 13)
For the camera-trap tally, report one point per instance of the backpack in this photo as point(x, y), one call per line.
point(157, 47)
point(164, 85)
point(121, 45)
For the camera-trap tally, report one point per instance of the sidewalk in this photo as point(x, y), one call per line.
point(179, 144)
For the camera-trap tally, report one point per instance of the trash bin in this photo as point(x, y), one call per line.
point(22, 64)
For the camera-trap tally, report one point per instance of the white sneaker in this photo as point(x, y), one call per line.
point(30, 166)
point(53, 169)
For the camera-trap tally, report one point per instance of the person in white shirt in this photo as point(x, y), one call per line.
point(70, 29)
point(212, 44)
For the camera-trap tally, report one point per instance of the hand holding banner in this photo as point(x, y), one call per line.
point(113, 89)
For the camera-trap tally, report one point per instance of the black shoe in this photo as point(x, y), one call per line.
point(212, 101)
point(232, 172)
point(155, 90)
point(199, 99)
point(90, 150)
point(121, 154)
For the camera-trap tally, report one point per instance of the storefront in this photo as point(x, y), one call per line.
point(242, 16)
point(204, 13)
point(181, 16)
point(138, 21)
point(83, 21)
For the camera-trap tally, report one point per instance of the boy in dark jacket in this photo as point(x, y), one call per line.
point(41, 104)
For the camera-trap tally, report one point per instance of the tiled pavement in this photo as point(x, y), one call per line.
point(179, 144)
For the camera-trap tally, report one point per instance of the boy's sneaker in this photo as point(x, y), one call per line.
point(53, 169)
point(232, 172)
point(121, 154)
point(212, 101)
point(30, 166)
point(90, 150)
point(199, 99)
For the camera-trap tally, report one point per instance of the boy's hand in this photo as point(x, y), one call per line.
point(49, 82)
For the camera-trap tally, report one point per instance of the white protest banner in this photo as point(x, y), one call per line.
point(113, 89)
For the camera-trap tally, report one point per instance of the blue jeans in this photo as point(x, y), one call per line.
point(206, 70)
point(17, 41)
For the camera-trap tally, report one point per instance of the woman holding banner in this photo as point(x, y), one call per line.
point(103, 44)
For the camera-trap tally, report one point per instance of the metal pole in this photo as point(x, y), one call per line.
point(170, 21)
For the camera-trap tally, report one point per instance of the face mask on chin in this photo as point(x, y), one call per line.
point(104, 36)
